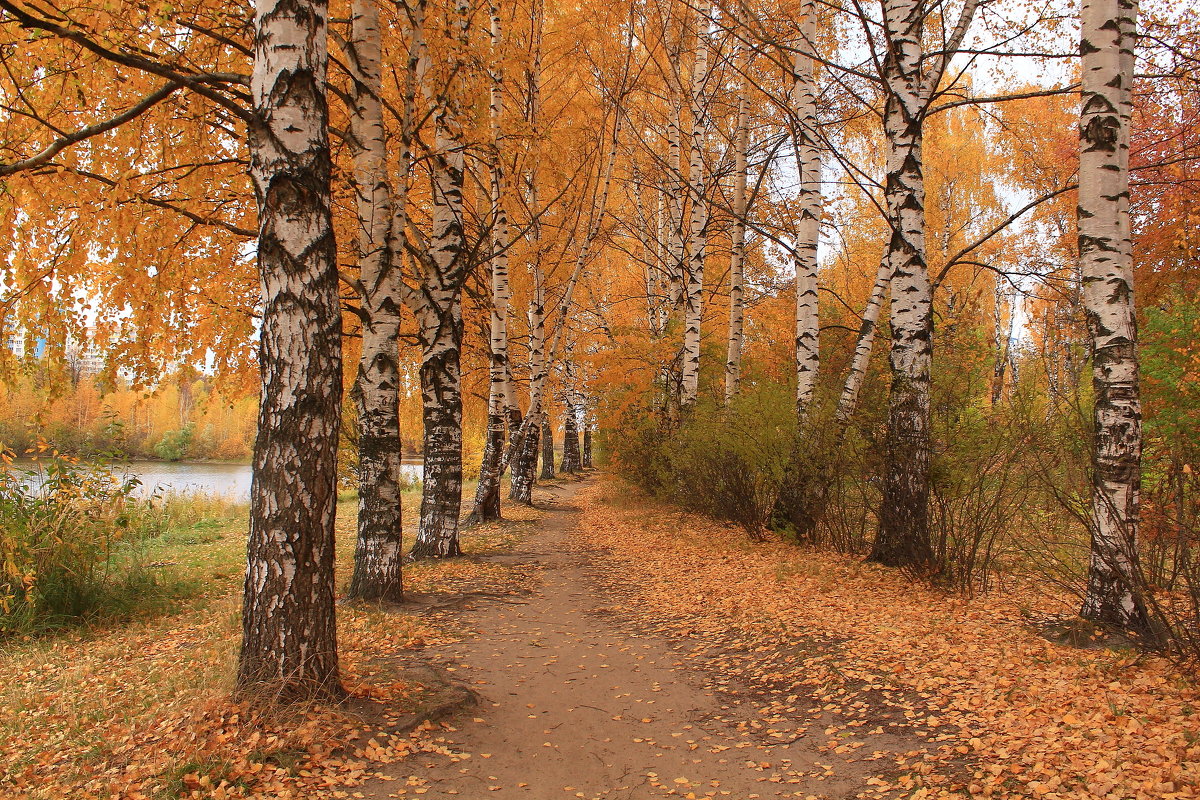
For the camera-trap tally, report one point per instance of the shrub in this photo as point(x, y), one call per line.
point(729, 462)
point(175, 445)
point(65, 553)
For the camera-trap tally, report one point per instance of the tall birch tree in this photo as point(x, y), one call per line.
point(910, 79)
point(444, 264)
point(737, 255)
point(696, 251)
point(1106, 264)
point(808, 226)
point(378, 549)
point(289, 635)
point(501, 406)
point(525, 458)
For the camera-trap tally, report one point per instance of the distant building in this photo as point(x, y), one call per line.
point(15, 343)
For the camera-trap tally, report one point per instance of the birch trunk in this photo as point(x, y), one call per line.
point(487, 493)
point(803, 495)
point(1106, 264)
point(652, 267)
point(676, 191)
point(848, 401)
point(525, 450)
point(1002, 344)
point(737, 256)
point(808, 228)
point(903, 537)
point(440, 328)
point(289, 635)
point(698, 218)
point(378, 551)
point(587, 443)
point(571, 461)
point(547, 448)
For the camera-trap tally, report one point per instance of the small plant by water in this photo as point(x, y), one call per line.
point(69, 545)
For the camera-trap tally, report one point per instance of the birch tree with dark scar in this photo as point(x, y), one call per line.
point(289, 635)
point(909, 79)
point(737, 256)
point(808, 227)
point(1106, 264)
point(444, 264)
point(377, 554)
point(696, 244)
point(525, 456)
point(501, 405)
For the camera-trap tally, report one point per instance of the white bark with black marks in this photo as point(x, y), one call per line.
point(808, 227)
point(1106, 263)
point(910, 79)
point(696, 251)
point(903, 537)
point(857, 373)
point(524, 441)
point(378, 549)
point(737, 255)
point(439, 321)
point(289, 635)
point(500, 392)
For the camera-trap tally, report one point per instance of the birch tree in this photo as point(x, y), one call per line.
point(502, 408)
point(377, 554)
point(737, 256)
point(808, 161)
point(289, 644)
point(445, 264)
point(910, 79)
point(525, 458)
point(696, 244)
point(1106, 264)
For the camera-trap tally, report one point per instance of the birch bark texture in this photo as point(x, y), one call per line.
point(525, 457)
point(808, 227)
point(1106, 264)
point(289, 635)
point(903, 537)
point(697, 245)
point(863, 345)
point(439, 317)
point(487, 492)
point(737, 255)
point(910, 80)
point(378, 550)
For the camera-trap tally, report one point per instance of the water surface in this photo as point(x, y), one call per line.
point(186, 477)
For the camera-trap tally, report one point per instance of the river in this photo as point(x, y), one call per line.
point(186, 477)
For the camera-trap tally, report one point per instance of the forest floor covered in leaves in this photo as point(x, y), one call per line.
point(143, 710)
point(608, 646)
point(659, 654)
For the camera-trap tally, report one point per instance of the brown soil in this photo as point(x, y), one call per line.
point(577, 699)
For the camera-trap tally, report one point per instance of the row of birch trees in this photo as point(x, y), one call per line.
point(418, 158)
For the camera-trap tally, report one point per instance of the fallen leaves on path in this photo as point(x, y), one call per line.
point(820, 639)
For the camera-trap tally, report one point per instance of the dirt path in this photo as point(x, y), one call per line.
point(576, 702)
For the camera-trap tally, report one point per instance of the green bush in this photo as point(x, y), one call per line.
point(725, 462)
point(174, 445)
point(68, 550)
